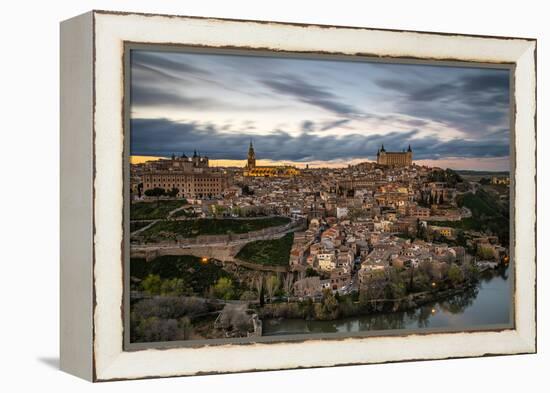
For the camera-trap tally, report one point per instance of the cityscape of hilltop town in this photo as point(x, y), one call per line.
point(226, 251)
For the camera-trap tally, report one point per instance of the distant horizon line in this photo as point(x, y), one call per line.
point(137, 159)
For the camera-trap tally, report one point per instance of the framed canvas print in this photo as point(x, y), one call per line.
point(246, 195)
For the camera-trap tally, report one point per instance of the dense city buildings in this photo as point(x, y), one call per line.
point(385, 230)
point(358, 219)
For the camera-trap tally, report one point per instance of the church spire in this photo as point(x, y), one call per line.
point(409, 149)
point(251, 159)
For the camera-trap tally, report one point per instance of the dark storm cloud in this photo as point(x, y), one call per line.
point(308, 93)
point(308, 126)
point(334, 124)
point(163, 137)
point(485, 82)
point(416, 122)
point(472, 102)
point(495, 85)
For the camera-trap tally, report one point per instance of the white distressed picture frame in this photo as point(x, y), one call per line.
point(92, 160)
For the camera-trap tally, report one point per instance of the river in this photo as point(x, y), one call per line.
point(487, 304)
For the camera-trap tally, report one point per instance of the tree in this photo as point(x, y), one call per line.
point(485, 253)
point(288, 283)
point(411, 278)
point(248, 296)
point(484, 181)
point(329, 305)
point(155, 192)
point(396, 287)
point(140, 189)
point(422, 199)
point(455, 274)
point(155, 329)
point(223, 289)
point(421, 231)
point(258, 282)
point(247, 191)
point(461, 238)
point(396, 290)
point(271, 285)
point(173, 192)
point(308, 308)
point(262, 297)
point(310, 272)
point(151, 285)
point(185, 327)
point(430, 269)
point(175, 287)
point(470, 270)
point(373, 288)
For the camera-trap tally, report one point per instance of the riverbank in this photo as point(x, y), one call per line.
point(345, 306)
point(484, 304)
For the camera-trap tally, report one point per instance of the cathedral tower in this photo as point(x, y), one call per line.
point(251, 164)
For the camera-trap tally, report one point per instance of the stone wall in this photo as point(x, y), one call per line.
point(255, 235)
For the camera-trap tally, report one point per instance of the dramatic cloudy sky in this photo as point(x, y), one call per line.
point(317, 111)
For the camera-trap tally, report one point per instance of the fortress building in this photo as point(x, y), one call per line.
point(192, 176)
point(194, 185)
point(253, 170)
point(391, 158)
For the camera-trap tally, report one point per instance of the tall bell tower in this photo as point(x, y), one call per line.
point(251, 157)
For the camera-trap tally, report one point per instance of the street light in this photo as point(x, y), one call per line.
point(204, 260)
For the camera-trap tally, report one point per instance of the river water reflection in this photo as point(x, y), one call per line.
point(487, 304)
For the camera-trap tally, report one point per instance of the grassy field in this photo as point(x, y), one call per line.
point(268, 252)
point(152, 210)
point(196, 275)
point(480, 204)
point(212, 226)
